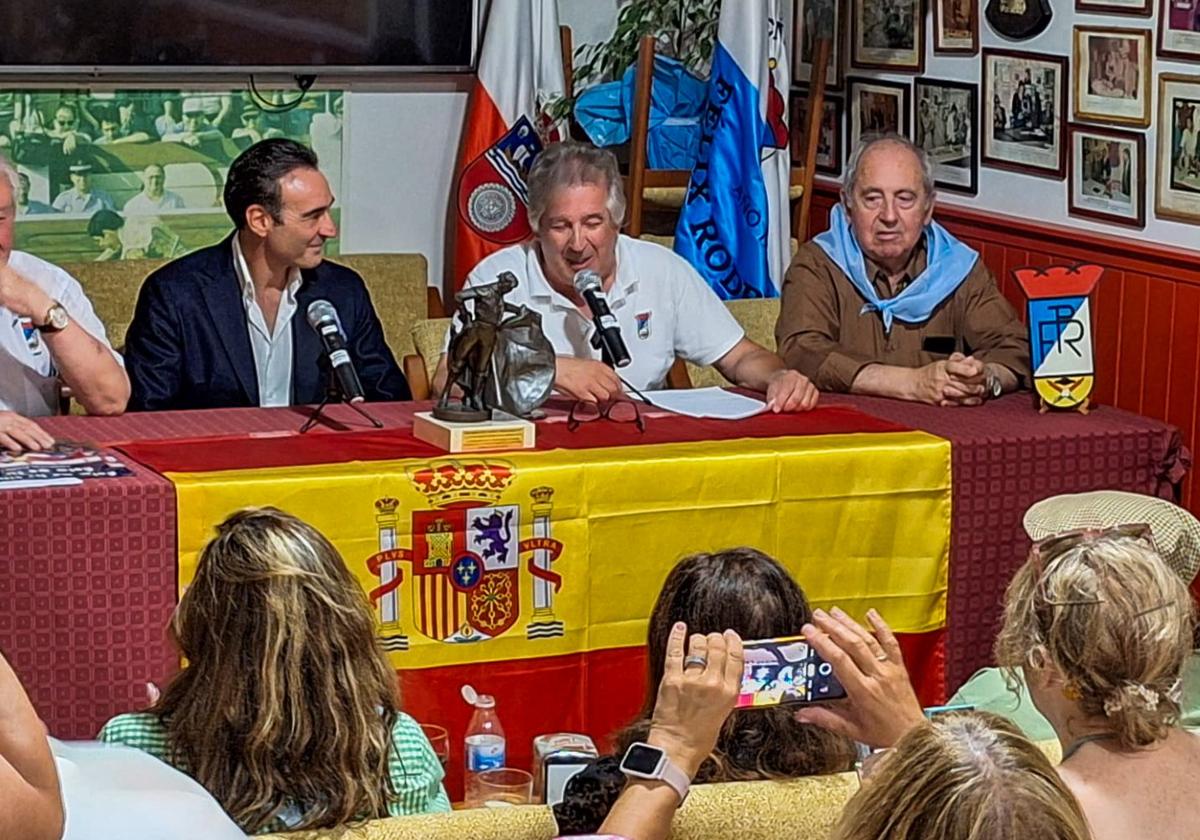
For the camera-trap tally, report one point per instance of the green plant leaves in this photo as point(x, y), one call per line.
point(686, 29)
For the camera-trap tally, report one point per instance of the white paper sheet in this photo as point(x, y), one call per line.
point(712, 403)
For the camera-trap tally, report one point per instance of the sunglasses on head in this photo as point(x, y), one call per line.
point(1049, 549)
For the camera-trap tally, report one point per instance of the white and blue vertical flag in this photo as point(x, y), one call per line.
point(734, 223)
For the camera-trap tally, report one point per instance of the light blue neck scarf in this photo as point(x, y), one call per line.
point(948, 262)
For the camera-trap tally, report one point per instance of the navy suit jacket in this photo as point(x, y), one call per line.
point(189, 344)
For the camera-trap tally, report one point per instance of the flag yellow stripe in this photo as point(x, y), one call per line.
point(861, 520)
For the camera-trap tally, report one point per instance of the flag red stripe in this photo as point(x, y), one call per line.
point(484, 126)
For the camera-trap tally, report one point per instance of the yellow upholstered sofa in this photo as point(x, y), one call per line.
point(398, 284)
point(796, 809)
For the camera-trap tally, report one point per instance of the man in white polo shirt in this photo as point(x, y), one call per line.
point(49, 334)
point(663, 307)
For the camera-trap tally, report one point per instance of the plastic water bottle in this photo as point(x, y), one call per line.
point(485, 743)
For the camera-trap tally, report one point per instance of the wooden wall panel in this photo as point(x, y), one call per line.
point(1145, 312)
point(1158, 341)
point(1130, 342)
point(1106, 309)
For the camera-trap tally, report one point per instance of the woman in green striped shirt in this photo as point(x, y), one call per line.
point(288, 710)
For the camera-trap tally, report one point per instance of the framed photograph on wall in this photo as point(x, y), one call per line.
point(1024, 100)
point(874, 106)
point(1178, 169)
point(1179, 29)
point(1112, 75)
point(956, 27)
point(1142, 8)
point(887, 35)
point(829, 143)
point(946, 125)
point(804, 38)
point(1106, 176)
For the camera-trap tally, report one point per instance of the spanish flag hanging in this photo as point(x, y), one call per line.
point(532, 574)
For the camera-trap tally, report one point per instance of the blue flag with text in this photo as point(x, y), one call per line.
point(733, 227)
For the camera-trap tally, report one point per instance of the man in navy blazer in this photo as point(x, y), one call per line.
point(225, 326)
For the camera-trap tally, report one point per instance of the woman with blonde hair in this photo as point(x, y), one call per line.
point(287, 711)
point(1100, 628)
point(967, 776)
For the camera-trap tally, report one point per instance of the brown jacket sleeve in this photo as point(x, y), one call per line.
point(808, 331)
point(991, 327)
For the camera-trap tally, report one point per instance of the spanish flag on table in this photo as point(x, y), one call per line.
point(532, 574)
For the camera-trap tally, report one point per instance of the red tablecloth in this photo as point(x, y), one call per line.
point(1005, 456)
point(88, 584)
point(256, 450)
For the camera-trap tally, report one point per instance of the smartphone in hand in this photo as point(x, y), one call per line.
point(786, 671)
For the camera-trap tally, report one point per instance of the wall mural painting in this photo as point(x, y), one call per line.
point(133, 174)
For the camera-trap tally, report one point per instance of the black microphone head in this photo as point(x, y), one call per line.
point(320, 313)
point(588, 281)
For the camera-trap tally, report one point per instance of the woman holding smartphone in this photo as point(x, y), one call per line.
point(745, 591)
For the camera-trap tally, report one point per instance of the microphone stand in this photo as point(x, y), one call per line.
point(333, 393)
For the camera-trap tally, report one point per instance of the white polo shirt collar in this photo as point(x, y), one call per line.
point(624, 285)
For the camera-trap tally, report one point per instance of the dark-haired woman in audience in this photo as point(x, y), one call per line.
point(287, 711)
point(745, 591)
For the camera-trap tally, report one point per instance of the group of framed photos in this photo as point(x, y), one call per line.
point(1018, 117)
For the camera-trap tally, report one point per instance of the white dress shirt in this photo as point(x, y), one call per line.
point(28, 377)
point(272, 348)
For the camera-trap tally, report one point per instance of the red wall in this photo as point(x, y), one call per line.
point(1145, 311)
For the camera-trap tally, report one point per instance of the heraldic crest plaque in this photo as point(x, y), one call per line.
point(1060, 333)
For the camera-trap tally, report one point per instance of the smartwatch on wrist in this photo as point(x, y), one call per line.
point(56, 319)
point(643, 761)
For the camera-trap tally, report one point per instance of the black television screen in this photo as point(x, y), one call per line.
point(313, 35)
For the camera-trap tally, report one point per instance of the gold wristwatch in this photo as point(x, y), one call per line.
point(56, 319)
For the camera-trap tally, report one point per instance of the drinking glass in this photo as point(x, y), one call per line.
point(503, 786)
point(439, 739)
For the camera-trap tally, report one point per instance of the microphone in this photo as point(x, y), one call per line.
point(607, 337)
point(323, 318)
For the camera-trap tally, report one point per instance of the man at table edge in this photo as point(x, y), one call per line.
point(888, 303)
point(664, 308)
point(49, 334)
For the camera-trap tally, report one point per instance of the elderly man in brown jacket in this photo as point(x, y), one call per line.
point(888, 303)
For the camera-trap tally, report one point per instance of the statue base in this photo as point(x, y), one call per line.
point(457, 413)
point(503, 431)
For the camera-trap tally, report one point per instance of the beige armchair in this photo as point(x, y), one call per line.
point(428, 337)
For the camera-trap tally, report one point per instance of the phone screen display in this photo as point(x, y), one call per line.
point(786, 670)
